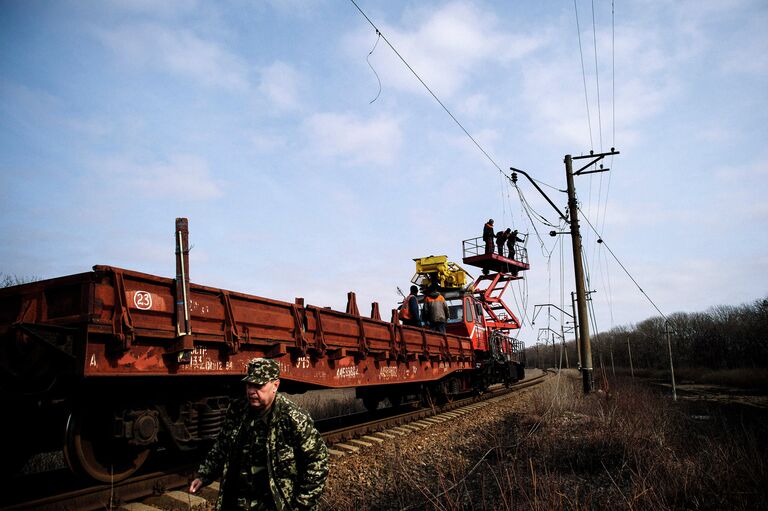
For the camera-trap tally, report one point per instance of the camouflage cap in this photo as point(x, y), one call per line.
point(261, 371)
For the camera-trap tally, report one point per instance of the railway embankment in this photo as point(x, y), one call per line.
point(551, 447)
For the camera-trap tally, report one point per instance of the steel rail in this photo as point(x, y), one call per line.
point(382, 424)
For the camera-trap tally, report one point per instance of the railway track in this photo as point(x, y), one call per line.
point(166, 489)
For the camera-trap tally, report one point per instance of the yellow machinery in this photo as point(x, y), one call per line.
point(438, 270)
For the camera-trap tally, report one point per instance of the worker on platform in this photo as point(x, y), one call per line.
point(488, 236)
point(436, 310)
point(511, 240)
point(501, 237)
point(409, 310)
point(268, 453)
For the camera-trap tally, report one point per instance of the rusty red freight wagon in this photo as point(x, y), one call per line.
point(117, 322)
point(123, 362)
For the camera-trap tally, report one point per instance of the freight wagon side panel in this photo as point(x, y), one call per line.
point(114, 322)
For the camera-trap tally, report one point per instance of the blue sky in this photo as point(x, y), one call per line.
point(255, 121)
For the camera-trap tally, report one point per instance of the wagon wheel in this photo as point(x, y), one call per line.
point(445, 393)
point(91, 451)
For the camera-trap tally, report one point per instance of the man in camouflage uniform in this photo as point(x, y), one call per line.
point(268, 452)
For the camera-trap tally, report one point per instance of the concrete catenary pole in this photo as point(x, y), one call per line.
point(578, 266)
point(576, 327)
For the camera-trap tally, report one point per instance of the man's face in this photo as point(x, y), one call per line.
point(260, 397)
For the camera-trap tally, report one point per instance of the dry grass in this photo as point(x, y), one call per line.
point(632, 449)
point(627, 449)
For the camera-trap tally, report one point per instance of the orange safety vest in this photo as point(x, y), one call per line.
point(430, 299)
point(405, 310)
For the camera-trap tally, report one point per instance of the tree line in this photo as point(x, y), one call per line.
point(723, 337)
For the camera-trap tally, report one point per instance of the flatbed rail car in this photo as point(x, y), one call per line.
point(119, 363)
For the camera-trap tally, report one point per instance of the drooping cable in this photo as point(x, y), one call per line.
point(533, 224)
point(562, 285)
point(367, 59)
point(521, 283)
point(434, 96)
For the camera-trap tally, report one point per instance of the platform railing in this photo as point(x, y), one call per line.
point(476, 246)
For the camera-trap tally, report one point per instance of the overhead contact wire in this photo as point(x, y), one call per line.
point(477, 144)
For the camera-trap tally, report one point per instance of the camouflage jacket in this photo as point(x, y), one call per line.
point(297, 459)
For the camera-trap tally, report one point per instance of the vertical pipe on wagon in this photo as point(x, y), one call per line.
point(182, 277)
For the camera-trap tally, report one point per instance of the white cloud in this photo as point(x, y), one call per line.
point(298, 8)
point(166, 8)
point(91, 127)
point(649, 214)
point(178, 51)
point(444, 48)
point(478, 105)
point(752, 171)
point(280, 83)
point(357, 140)
point(267, 142)
point(715, 133)
point(554, 89)
point(181, 175)
point(740, 193)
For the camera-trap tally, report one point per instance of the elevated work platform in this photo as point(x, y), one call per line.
point(474, 254)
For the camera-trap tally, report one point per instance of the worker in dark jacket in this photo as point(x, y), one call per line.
point(511, 240)
point(501, 237)
point(436, 311)
point(488, 236)
point(409, 310)
point(268, 453)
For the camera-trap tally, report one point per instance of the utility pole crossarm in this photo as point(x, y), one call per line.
point(540, 305)
point(596, 158)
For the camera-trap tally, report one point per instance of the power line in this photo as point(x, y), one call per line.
point(613, 73)
point(613, 106)
point(477, 144)
point(583, 75)
point(597, 79)
point(548, 185)
point(624, 268)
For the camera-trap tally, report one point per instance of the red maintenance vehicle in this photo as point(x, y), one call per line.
point(119, 363)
